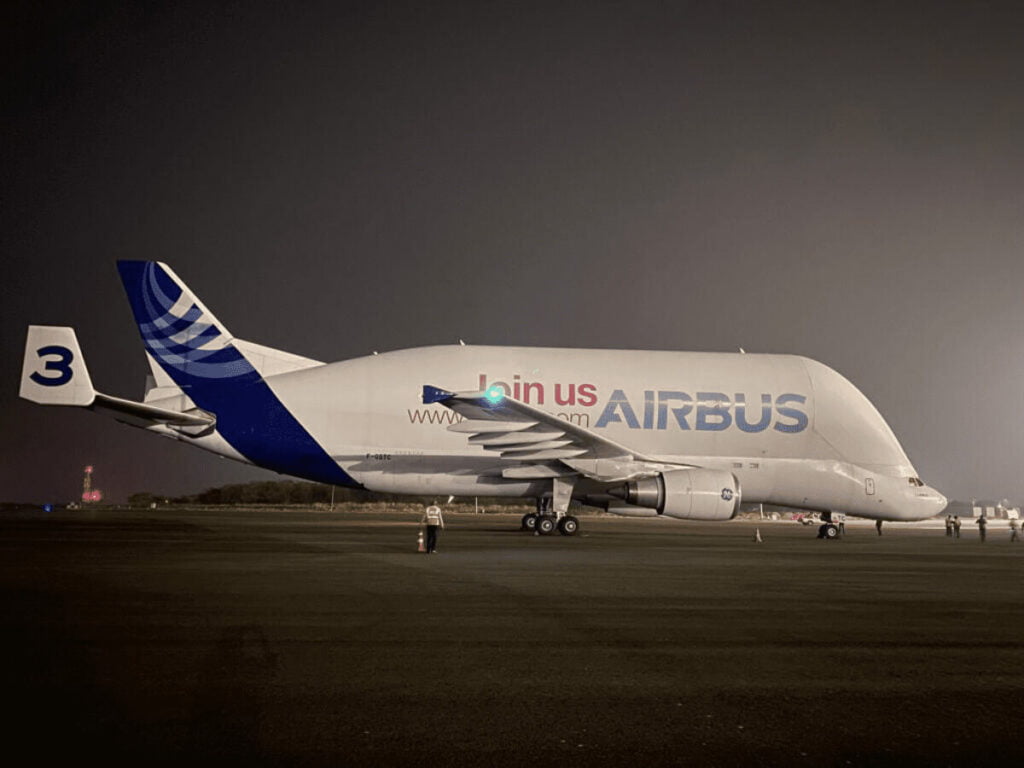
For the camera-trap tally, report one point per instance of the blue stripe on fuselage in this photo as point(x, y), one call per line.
point(257, 425)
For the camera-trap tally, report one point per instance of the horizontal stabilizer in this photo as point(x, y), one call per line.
point(54, 373)
point(149, 414)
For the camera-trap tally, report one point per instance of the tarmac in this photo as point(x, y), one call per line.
point(317, 638)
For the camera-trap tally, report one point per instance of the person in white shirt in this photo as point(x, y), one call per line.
point(433, 520)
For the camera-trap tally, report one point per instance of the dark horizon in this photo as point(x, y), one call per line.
point(840, 181)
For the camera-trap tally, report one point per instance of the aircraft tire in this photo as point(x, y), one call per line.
point(545, 525)
point(830, 531)
point(529, 521)
point(568, 525)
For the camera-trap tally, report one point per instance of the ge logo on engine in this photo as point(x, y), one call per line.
point(727, 494)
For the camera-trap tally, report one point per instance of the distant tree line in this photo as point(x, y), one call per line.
point(265, 492)
point(289, 492)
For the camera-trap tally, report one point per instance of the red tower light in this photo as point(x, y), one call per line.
point(88, 494)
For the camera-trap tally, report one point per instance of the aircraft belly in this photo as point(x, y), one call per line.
point(810, 485)
point(459, 475)
point(449, 485)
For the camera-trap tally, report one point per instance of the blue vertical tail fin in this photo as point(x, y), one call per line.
point(181, 335)
point(190, 350)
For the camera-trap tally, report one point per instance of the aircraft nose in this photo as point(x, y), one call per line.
point(931, 501)
point(921, 502)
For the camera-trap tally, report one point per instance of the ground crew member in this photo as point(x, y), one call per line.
point(949, 525)
point(433, 519)
point(1014, 527)
point(956, 526)
point(878, 527)
point(982, 524)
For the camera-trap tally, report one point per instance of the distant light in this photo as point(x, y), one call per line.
point(88, 470)
point(47, 507)
point(494, 395)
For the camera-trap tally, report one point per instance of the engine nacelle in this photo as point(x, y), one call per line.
point(687, 494)
point(632, 511)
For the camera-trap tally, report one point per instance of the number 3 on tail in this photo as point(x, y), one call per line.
point(62, 367)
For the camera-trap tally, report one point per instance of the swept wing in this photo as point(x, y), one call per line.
point(538, 444)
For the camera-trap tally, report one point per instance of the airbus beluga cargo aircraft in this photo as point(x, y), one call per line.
point(676, 434)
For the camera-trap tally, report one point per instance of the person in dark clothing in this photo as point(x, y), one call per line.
point(949, 525)
point(878, 527)
point(956, 526)
point(982, 524)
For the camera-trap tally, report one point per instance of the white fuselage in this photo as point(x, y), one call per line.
point(793, 431)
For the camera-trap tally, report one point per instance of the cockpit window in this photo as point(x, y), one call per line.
point(917, 482)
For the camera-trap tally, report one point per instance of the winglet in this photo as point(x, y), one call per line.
point(435, 394)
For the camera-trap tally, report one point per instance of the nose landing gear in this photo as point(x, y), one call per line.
point(828, 531)
point(832, 527)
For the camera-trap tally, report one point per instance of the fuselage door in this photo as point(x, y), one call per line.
point(869, 486)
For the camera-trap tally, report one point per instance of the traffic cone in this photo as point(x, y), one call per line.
point(420, 545)
point(757, 535)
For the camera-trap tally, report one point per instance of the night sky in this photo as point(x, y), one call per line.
point(843, 181)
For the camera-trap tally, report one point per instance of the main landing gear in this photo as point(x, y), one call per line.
point(551, 514)
point(546, 524)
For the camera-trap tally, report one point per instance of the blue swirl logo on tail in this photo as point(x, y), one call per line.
point(179, 334)
point(199, 356)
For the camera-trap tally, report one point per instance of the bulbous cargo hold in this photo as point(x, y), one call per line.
point(845, 420)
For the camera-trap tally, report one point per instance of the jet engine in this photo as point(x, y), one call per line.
point(686, 494)
point(627, 511)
